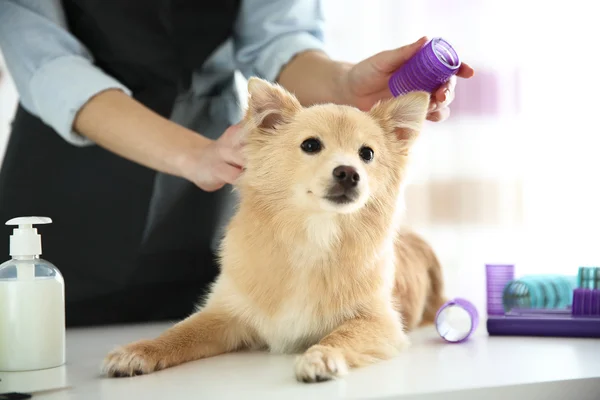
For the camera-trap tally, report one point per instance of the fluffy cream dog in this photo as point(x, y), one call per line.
point(314, 261)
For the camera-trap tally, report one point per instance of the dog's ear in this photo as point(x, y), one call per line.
point(269, 104)
point(402, 116)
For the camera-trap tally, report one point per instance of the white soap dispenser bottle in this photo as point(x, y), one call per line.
point(32, 303)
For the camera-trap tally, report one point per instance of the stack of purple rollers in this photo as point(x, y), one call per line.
point(497, 277)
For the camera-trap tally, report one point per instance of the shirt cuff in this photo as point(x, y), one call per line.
point(281, 51)
point(62, 86)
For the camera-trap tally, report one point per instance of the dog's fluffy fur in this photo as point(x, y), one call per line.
point(301, 273)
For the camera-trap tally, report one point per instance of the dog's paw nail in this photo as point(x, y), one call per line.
point(331, 365)
point(134, 359)
point(320, 364)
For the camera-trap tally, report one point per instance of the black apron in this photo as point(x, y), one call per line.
point(132, 245)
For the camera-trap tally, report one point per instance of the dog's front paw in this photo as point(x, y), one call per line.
point(137, 358)
point(320, 363)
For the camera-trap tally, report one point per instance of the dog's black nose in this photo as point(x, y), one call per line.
point(346, 176)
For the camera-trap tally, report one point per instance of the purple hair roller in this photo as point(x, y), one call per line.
point(456, 320)
point(497, 276)
point(427, 70)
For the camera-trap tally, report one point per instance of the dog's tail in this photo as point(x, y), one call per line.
point(436, 297)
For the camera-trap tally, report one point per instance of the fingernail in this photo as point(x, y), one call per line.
point(432, 106)
point(446, 94)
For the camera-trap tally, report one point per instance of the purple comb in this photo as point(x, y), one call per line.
point(497, 276)
point(427, 70)
point(582, 320)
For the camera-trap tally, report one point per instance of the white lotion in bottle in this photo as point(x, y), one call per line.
point(32, 303)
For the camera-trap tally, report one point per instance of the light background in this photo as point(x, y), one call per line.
point(513, 175)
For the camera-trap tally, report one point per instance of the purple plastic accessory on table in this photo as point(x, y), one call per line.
point(582, 320)
point(496, 277)
point(454, 333)
point(427, 70)
point(586, 302)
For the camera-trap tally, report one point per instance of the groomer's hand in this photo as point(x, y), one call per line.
point(218, 163)
point(366, 83)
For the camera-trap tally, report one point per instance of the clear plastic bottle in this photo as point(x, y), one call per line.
point(32, 303)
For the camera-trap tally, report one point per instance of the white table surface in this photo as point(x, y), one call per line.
point(484, 367)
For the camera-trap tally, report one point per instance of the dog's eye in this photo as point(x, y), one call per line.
point(311, 145)
point(366, 153)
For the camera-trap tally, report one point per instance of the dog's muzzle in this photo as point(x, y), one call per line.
point(345, 185)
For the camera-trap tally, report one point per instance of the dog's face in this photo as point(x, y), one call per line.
point(327, 157)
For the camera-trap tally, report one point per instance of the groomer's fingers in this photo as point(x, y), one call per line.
point(445, 93)
point(228, 173)
point(230, 145)
point(233, 156)
point(465, 71)
point(439, 115)
point(388, 61)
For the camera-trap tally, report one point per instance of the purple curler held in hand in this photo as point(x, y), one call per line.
point(427, 70)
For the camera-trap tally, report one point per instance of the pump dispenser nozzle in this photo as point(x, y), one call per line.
point(25, 240)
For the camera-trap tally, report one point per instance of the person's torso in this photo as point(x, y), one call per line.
point(152, 46)
point(123, 234)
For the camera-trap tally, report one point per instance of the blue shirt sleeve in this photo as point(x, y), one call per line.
point(55, 75)
point(269, 33)
point(53, 72)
